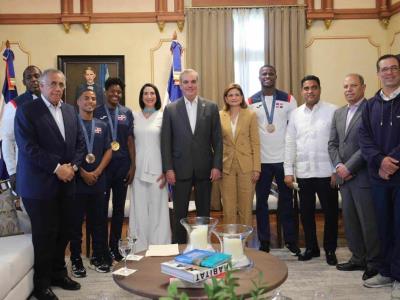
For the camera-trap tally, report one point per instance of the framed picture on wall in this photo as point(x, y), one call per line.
point(89, 72)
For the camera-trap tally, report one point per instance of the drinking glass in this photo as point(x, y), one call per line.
point(125, 247)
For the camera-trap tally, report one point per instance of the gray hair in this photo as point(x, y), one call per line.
point(46, 73)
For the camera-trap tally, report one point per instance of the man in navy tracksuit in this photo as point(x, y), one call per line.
point(91, 188)
point(380, 146)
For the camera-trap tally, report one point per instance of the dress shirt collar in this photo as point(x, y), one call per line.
point(355, 105)
point(191, 102)
point(49, 104)
point(315, 107)
point(391, 96)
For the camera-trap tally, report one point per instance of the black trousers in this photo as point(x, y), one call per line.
point(181, 197)
point(116, 173)
point(328, 198)
point(51, 223)
point(90, 205)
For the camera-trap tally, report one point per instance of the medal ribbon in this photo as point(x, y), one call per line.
point(114, 126)
point(89, 143)
point(270, 117)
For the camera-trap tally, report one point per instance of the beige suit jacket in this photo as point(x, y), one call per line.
point(245, 145)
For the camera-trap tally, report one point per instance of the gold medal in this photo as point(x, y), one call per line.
point(114, 145)
point(90, 158)
point(270, 128)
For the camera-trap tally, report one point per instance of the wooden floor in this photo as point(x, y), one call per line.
point(254, 242)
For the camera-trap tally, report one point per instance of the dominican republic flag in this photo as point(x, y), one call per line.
point(9, 87)
point(103, 75)
point(173, 88)
point(9, 93)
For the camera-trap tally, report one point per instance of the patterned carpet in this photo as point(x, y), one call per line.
point(305, 278)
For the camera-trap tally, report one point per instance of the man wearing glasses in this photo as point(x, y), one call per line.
point(380, 146)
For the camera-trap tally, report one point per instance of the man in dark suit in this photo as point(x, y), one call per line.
point(50, 150)
point(90, 84)
point(191, 149)
point(352, 177)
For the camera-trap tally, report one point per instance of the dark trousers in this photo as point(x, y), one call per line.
point(181, 196)
point(328, 198)
point(90, 205)
point(285, 203)
point(50, 219)
point(387, 209)
point(116, 173)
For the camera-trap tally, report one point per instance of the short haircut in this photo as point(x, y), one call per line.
point(114, 81)
point(268, 66)
point(88, 69)
point(188, 71)
point(30, 67)
point(360, 78)
point(310, 77)
point(386, 56)
point(230, 87)
point(157, 106)
point(46, 73)
point(84, 91)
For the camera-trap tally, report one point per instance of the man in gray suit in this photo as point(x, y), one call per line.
point(191, 149)
point(351, 170)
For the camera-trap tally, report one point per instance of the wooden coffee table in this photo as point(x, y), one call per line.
point(148, 281)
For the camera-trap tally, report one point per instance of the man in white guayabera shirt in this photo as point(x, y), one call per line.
point(307, 158)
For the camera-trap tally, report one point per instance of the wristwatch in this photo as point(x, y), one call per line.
point(75, 168)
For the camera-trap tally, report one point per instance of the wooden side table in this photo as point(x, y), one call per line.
point(148, 281)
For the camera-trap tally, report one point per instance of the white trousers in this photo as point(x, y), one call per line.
point(149, 215)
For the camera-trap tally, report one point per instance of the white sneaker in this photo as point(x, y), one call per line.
point(378, 281)
point(396, 290)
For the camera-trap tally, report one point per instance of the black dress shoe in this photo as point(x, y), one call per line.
point(369, 273)
point(264, 246)
point(308, 254)
point(349, 266)
point(331, 258)
point(293, 248)
point(44, 294)
point(66, 283)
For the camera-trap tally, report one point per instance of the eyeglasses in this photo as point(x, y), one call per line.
point(392, 69)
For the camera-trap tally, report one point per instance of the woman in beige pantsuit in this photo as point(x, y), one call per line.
point(241, 157)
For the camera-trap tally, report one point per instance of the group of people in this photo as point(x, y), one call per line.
point(69, 162)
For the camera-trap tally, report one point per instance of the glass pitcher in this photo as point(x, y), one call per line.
point(232, 238)
point(199, 232)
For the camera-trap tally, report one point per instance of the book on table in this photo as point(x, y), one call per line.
point(191, 273)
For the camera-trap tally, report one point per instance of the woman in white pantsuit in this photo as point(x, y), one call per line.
point(149, 214)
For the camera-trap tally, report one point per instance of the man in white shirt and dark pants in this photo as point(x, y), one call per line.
point(307, 157)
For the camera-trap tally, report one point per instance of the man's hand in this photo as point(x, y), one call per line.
point(162, 181)
point(13, 182)
point(342, 171)
point(170, 175)
point(289, 180)
point(215, 174)
point(384, 175)
point(65, 172)
point(89, 178)
point(255, 176)
point(348, 178)
point(130, 175)
point(389, 165)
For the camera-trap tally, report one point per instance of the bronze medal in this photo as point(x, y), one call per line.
point(270, 128)
point(90, 158)
point(114, 146)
